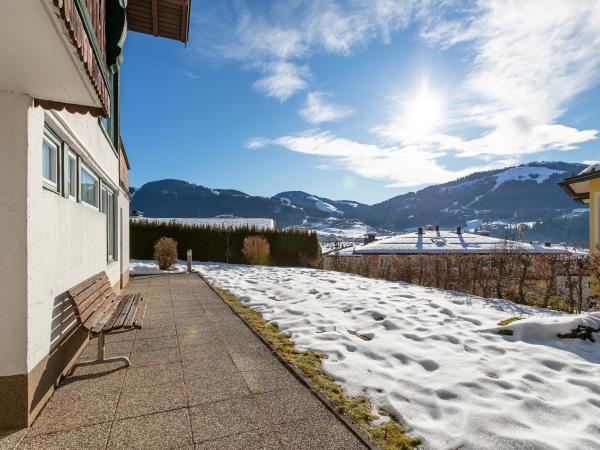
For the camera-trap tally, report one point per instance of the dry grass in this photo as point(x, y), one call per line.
point(510, 320)
point(388, 436)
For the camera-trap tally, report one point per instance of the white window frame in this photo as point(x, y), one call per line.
point(109, 208)
point(72, 182)
point(84, 167)
point(54, 144)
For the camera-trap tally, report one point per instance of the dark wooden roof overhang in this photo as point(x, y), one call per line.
point(578, 186)
point(165, 18)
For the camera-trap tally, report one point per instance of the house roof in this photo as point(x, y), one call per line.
point(165, 18)
point(578, 186)
point(448, 242)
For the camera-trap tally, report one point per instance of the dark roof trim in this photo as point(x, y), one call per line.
point(124, 153)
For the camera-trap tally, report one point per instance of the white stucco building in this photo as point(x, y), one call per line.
point(64, 209)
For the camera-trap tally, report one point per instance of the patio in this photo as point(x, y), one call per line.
point(199, 378)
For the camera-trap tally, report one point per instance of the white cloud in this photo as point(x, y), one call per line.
point(400, 166)
point(317, 109)
point(285, 32)
point(283, 80)
point(530, 60)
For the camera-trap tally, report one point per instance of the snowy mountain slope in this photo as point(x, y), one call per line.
point(319, 206)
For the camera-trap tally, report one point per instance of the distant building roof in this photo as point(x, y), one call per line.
point(446, 242)
point(220, 222)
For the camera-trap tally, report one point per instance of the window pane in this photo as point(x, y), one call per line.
point(49, 153)
point(89, 188)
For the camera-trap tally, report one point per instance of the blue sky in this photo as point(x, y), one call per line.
point(361, 99)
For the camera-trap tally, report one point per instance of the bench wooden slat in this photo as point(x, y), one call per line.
point(115, 315)
point(90, 290)
point(99, 313)
point(128, 300)
point(132, 312)
point(99, 309)
point(87, 307)
point(140, 313)
point(105, 317)
point(75, 290)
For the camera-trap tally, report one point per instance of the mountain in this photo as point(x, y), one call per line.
point(524, 193)
point(491, 200)
point(315, 206)
point(176, 198)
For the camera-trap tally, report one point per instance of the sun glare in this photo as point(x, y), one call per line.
point(424, 113)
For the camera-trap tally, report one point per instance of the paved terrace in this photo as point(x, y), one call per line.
point(199, 378)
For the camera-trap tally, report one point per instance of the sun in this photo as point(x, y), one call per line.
point(424, 113)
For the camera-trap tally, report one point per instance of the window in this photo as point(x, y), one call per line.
point(88, 186)
point(107, 206)
point(71, 176)
point(50, 162)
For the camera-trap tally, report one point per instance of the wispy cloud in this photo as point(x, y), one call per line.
point(318, 109)
point(282, 80)
point(283, 33)
point(400, 166)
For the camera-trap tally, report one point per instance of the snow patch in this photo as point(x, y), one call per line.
point(430, 361)
point(525, 173)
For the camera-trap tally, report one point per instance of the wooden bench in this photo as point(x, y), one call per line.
point(100, 311)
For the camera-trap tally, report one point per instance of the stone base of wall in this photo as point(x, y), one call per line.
point(22, 397)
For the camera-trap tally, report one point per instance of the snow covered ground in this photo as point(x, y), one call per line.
point(434, 358)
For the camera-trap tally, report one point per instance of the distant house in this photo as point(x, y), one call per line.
point(436, 241)
point(584, 188)
point(65, 198)
point(218, 222)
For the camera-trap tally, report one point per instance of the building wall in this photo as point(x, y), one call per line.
point(594, 213)
point(49, 243)
point(13, 237)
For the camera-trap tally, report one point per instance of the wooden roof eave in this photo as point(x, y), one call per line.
point(162, 18)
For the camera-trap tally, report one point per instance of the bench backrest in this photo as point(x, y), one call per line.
point(91, 299)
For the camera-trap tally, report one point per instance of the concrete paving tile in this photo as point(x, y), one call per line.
point(90, 438)
point(248, 361)
point(210, 349)
point(291, 405)
point(259, 439)
point(75, 409)
point(208, 368)
point(225, 386)
point(198, 320)
point(139, 401)
point(9, 439)
point(269, 380)
point(169, 429)
point(146, 333)
point(324, 433)
point(221, 419)
point(97, 378)
point(203, 339)
point(196, 328)
point(151, 357)
point(121, 348)
point(156, 343)
point(151, 375)
point(128, 335)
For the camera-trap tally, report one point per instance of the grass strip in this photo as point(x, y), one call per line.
point(388, 436)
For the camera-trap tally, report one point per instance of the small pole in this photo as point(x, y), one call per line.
point(189, 260)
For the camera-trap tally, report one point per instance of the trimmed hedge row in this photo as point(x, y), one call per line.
point(288, 247)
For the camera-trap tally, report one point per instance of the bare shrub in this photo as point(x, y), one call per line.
point(256, 250)
point(307, 261)
point(165, 252)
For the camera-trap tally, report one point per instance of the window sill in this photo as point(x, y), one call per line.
point(50, 187)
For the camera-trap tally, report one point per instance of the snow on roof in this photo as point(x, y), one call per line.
point(219, 222)
point(590, 169)
point(445, 242)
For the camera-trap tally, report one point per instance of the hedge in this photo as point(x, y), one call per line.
point(288, 247)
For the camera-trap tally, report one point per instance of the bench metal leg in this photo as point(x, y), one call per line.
point(101, 359)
